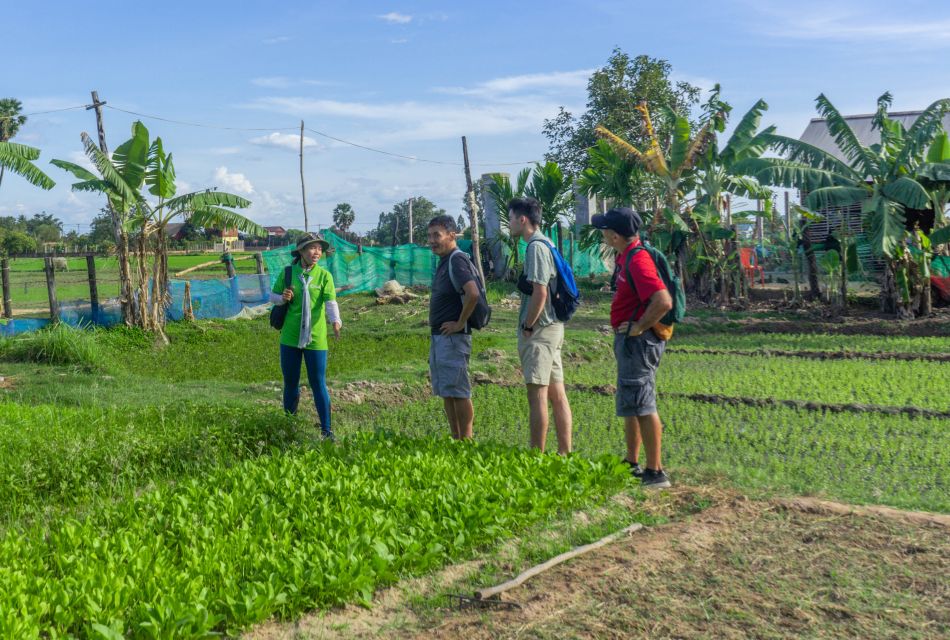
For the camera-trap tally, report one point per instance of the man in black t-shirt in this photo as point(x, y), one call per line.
point(453, 298)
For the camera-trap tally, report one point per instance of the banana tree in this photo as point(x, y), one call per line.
point(881, 177)
point(208, 208)
point(119, 184)
point(676, 169)
point(18, 158)
point(135, 164)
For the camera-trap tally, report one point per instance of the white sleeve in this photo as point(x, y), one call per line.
point(333, 312)
point(276, 298)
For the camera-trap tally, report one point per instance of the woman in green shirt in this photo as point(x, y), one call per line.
point(312, 300)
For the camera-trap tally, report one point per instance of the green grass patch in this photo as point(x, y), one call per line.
point(58, 344)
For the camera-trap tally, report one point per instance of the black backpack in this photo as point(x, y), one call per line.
point(278, 312)
point(481, 315)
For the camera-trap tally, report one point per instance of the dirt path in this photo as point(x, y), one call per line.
point(738, 569)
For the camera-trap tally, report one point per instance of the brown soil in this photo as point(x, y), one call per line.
point(817, 355)
point(738, 569)
point(715, 398)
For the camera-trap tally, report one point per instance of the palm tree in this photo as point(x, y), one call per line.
point(10, 122)
point(501, 192)
point(881, 177)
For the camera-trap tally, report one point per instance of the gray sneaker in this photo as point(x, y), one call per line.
point(654, 479)
point(635, 468)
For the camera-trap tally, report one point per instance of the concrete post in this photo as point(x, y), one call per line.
point(496, 245)
point(584, 208)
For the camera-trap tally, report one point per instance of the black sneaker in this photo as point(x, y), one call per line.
point(328, 436)
point(654, 479)
point(635, 468)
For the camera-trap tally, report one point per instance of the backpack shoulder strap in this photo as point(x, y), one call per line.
point(288, 275)
point(452, 279)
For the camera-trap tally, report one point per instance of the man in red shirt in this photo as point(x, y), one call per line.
point(640, 301)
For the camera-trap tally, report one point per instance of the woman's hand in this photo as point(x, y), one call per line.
point(288, 295)
point(336, 329)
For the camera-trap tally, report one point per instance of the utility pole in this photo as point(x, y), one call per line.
point(121, 237)
point(303, 190)
point(410, 220)
point(473, 211)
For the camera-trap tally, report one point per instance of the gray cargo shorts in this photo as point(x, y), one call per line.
point(637, 361)
point(448, 365)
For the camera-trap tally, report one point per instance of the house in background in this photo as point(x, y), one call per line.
point(817, 135)
point(175, 230)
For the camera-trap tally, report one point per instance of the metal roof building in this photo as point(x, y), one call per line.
point(817, 134)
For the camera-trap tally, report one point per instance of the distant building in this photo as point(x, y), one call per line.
point(275, 232)
point(817, 135)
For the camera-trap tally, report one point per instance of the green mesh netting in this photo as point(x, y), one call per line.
point(410, 264)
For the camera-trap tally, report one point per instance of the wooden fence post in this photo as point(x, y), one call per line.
point(51, 290)
point(264, 283)
point(5, 274)
point(93, 288)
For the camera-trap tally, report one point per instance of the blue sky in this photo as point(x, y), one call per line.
point(412, 77)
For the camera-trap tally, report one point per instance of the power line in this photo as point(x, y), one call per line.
point(40, 113)
point(314, 131)
point(319, 133)
point(198, 124)
point(415, 158)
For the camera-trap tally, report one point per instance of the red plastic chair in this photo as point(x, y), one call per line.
point(750, 265)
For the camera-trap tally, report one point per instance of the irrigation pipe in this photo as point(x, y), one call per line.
point(484, 594)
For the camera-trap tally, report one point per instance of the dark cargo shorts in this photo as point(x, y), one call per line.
point(637, 361)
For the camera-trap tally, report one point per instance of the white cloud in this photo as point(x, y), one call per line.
point(236, 182)
point(395, 18)
point(276, 40)
point(224, 151)
point(80, 158)
point(555, 80)
point(284, 141)
point(283, 82)
point(853, 24)
point(427, 121)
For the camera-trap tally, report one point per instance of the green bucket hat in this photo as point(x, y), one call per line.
point(307, 240)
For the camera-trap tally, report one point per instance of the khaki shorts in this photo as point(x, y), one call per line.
point(448, 365)
point(541, 355)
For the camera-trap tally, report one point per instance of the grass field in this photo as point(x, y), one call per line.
point(106, 437)
point(28, 280)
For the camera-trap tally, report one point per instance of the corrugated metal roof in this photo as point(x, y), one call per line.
point(817, 134)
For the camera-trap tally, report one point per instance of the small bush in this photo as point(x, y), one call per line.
point(58, 344)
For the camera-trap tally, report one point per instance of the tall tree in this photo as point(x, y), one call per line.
point(423, 210)
point(343, 216)
point(612, 93)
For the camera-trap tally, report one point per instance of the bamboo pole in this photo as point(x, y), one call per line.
point(473, 211)
point(5, 275)
point(51, 290)
point(93, 288)
point(303, 190)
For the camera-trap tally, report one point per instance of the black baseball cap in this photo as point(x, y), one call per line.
point(623, 220)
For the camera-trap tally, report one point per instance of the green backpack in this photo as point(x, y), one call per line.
point(672, 281)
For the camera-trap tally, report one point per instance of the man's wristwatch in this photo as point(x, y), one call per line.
point(525, 327)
